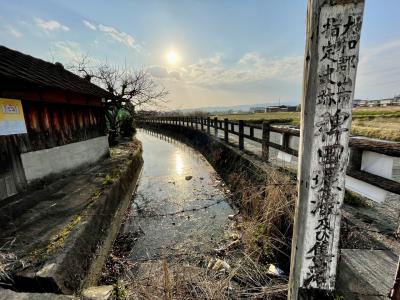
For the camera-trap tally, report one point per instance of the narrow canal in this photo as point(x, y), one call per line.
point(180, 207)
point(178, 221)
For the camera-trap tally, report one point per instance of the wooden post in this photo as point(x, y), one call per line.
point(241, 132)
point(251, 131)
point(216, 126)
point(331, 56)
point(196, 123)
point(232, 127)
point(355, 159)
point(285, 141)
point(208, 125)
point(265, 141)
point(201, 123)
point(226, 132)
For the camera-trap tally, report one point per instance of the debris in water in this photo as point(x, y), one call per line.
point(274, 270)
point(188, 177)
point(220, 265)
point(232, 245)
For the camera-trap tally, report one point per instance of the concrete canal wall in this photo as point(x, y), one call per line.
point(64, 231)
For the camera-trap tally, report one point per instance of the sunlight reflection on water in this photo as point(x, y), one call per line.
point(179, 165)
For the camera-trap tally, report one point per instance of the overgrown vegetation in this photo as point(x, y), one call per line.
point(242, 270)
point(171, 280)
point(268, 210)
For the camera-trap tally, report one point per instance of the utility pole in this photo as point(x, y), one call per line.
point(330, 65)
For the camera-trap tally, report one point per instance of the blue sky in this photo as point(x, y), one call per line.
point(228, 52)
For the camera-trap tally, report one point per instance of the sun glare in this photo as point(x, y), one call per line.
point(172, 57)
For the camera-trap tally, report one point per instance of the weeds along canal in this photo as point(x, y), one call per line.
point(177, 230)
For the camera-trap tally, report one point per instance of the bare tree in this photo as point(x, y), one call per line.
point(130, 89)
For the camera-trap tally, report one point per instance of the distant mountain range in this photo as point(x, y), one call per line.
point(233, 108)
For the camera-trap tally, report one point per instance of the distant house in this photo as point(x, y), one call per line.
point(51, 121)
point(390, 102)
point(259, 109)
point(280, 108)
point(379, 102)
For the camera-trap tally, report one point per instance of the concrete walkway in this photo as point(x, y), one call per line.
point(52, 236)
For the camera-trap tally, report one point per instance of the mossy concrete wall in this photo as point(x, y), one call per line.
point(78, 261)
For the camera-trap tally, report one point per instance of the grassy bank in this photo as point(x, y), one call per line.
point(375, 122)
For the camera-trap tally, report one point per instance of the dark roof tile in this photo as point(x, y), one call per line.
point(16, 65)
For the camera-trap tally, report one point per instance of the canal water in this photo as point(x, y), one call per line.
point(181, 207)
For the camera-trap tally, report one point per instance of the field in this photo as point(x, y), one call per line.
point(375, 122)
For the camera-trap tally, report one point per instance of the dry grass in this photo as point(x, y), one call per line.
point(379, 128)
point(247, 280)
point(374, 122)
point(8, 263)
point(274, 117)
point(268, 215)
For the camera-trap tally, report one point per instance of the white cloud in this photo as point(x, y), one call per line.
point(113, 33)
point(163, 73)
point(89, 25)
point(119, 36)
point(50, 25)
point(14, 31)
point(65, 51)
point(378, 73)
point(251, 67)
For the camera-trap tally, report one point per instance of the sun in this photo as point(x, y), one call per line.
point(172, 57)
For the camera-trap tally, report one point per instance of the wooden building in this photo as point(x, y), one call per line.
point(51, 121)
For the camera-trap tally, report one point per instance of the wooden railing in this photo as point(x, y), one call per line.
point(357, 144)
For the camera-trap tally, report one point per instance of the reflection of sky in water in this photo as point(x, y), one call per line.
point(164, 189)
point(179, 165)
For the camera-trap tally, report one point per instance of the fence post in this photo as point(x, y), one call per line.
point(226, 132)
point(355, 159)
point(208, 125)
point(265, 140)
point(201, 123)
point(232, 127)
point(241, 134)
point(330, 65)
point(216, 126)
point(285, 141)
point(251, 131)
point(196, 123)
